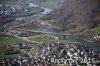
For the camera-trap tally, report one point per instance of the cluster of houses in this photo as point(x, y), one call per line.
point(6, 9)
point(55, 55)
point(97, 37)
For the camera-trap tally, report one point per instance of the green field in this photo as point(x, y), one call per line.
point(2, 55)
point(44, 38)
point(50, 4)
point(96, 30)
point(8, 41)
point(35, 10)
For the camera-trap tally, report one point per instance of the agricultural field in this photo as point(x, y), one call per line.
point(35, 10)
point(9, 40)
point(96, 30)
point(45, 38)
point(6, 41)
point(2, 55)
point(50, 4)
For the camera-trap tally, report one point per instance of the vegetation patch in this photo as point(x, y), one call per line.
point(9, 40)
point(35, 9)
point(50, 4)
point(45, 38)
point(4, 43)
point(96, 30)
point(8, 56)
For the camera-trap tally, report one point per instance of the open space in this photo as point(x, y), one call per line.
point(46, 38)
point(50, 4)
point(7, 41)
point(96, 30)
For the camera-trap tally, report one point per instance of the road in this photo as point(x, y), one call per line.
point(40, 31)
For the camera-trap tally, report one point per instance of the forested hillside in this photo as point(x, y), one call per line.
point(76, 15)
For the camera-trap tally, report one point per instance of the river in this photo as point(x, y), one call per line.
point(46, 10)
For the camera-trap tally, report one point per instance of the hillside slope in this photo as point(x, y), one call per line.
point(76, 15)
